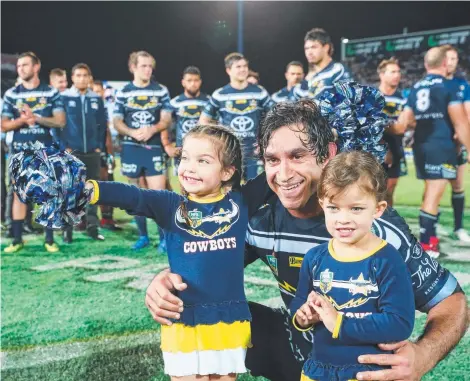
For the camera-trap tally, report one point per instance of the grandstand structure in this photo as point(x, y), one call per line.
point(362, 56)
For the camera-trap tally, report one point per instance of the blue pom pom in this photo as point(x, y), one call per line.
point(53, 179)
point(355, 112)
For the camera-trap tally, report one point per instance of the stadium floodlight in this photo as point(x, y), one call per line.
point(345, 40)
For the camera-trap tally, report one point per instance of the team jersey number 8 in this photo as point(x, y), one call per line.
point(422, 100)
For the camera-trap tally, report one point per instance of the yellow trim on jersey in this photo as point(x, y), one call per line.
point(294, 322)
point(209, 200)
point(303, 377)
point(96, 192)
point(216, 337)
point(339, 320)
point(355, 258)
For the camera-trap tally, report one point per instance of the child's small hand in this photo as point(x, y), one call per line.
point(327, 312)
point(306, 315)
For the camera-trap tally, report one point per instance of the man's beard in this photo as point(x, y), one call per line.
point(193, 93)
point(28, 78)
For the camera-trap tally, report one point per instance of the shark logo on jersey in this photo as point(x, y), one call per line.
point(326, 281)
point(214, 225)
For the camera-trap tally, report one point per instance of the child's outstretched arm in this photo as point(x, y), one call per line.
point(395, 320)
point(157, 204)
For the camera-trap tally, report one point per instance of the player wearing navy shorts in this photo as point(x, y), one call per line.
point(142, 111)
point(458, 191)
point(395, 163)
point(436, 110)
point(30, 109)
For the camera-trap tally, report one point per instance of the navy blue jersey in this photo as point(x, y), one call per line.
point(140, 107)
point(429, 99)
point(372, 293)
point(240, 110)
point(44, 101)
point(186, 112)
point(205, 247)
point(281, 241)
point(462, 88)
point(394, 105)
point(322, 81)
point(283, 95)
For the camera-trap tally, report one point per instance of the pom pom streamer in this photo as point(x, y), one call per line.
point(355, 112)
point(53, 179)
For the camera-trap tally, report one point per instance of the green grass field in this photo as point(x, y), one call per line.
point(80, 314)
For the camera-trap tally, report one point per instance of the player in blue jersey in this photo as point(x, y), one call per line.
point(395, 163)
point(30, 110)
point(142, 112)
point(294, 75)
point(437, 112)
point(205, 231)
point(458, 190)
point(240, 106)
point(357, 283)
point(296, 143)
point(188, 106)
point(323, 72)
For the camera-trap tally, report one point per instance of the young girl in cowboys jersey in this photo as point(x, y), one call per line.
point(205, 230)
point(357, 283)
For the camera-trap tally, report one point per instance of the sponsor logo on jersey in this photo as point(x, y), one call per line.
point(242, 124)
point(295, 261)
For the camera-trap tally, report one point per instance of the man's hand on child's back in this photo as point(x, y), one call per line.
point(159, 298)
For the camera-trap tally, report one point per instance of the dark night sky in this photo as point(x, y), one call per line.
point(178, 34)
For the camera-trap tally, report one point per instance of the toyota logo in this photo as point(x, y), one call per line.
point(188, 125)
point(242, 124)
point(143, 117)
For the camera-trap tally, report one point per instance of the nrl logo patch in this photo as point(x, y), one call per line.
point(272, 262)
point(326, 280)
point(195, 216)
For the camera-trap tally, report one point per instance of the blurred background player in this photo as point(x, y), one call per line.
point(438, 113)
point(458, 190)
point(142, 112)
point(107, 163)
point(187, 107)
point(395, 163)
point(240, 106)
point(323, 72)
point(294, 75)
point(84, 135)
point(253, 77)
point(58, 79)
point(30, 110)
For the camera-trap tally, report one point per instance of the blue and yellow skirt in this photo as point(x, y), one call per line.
point(205, 349)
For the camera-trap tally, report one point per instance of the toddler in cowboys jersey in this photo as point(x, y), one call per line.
point(357, 284)
point(205, 231)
